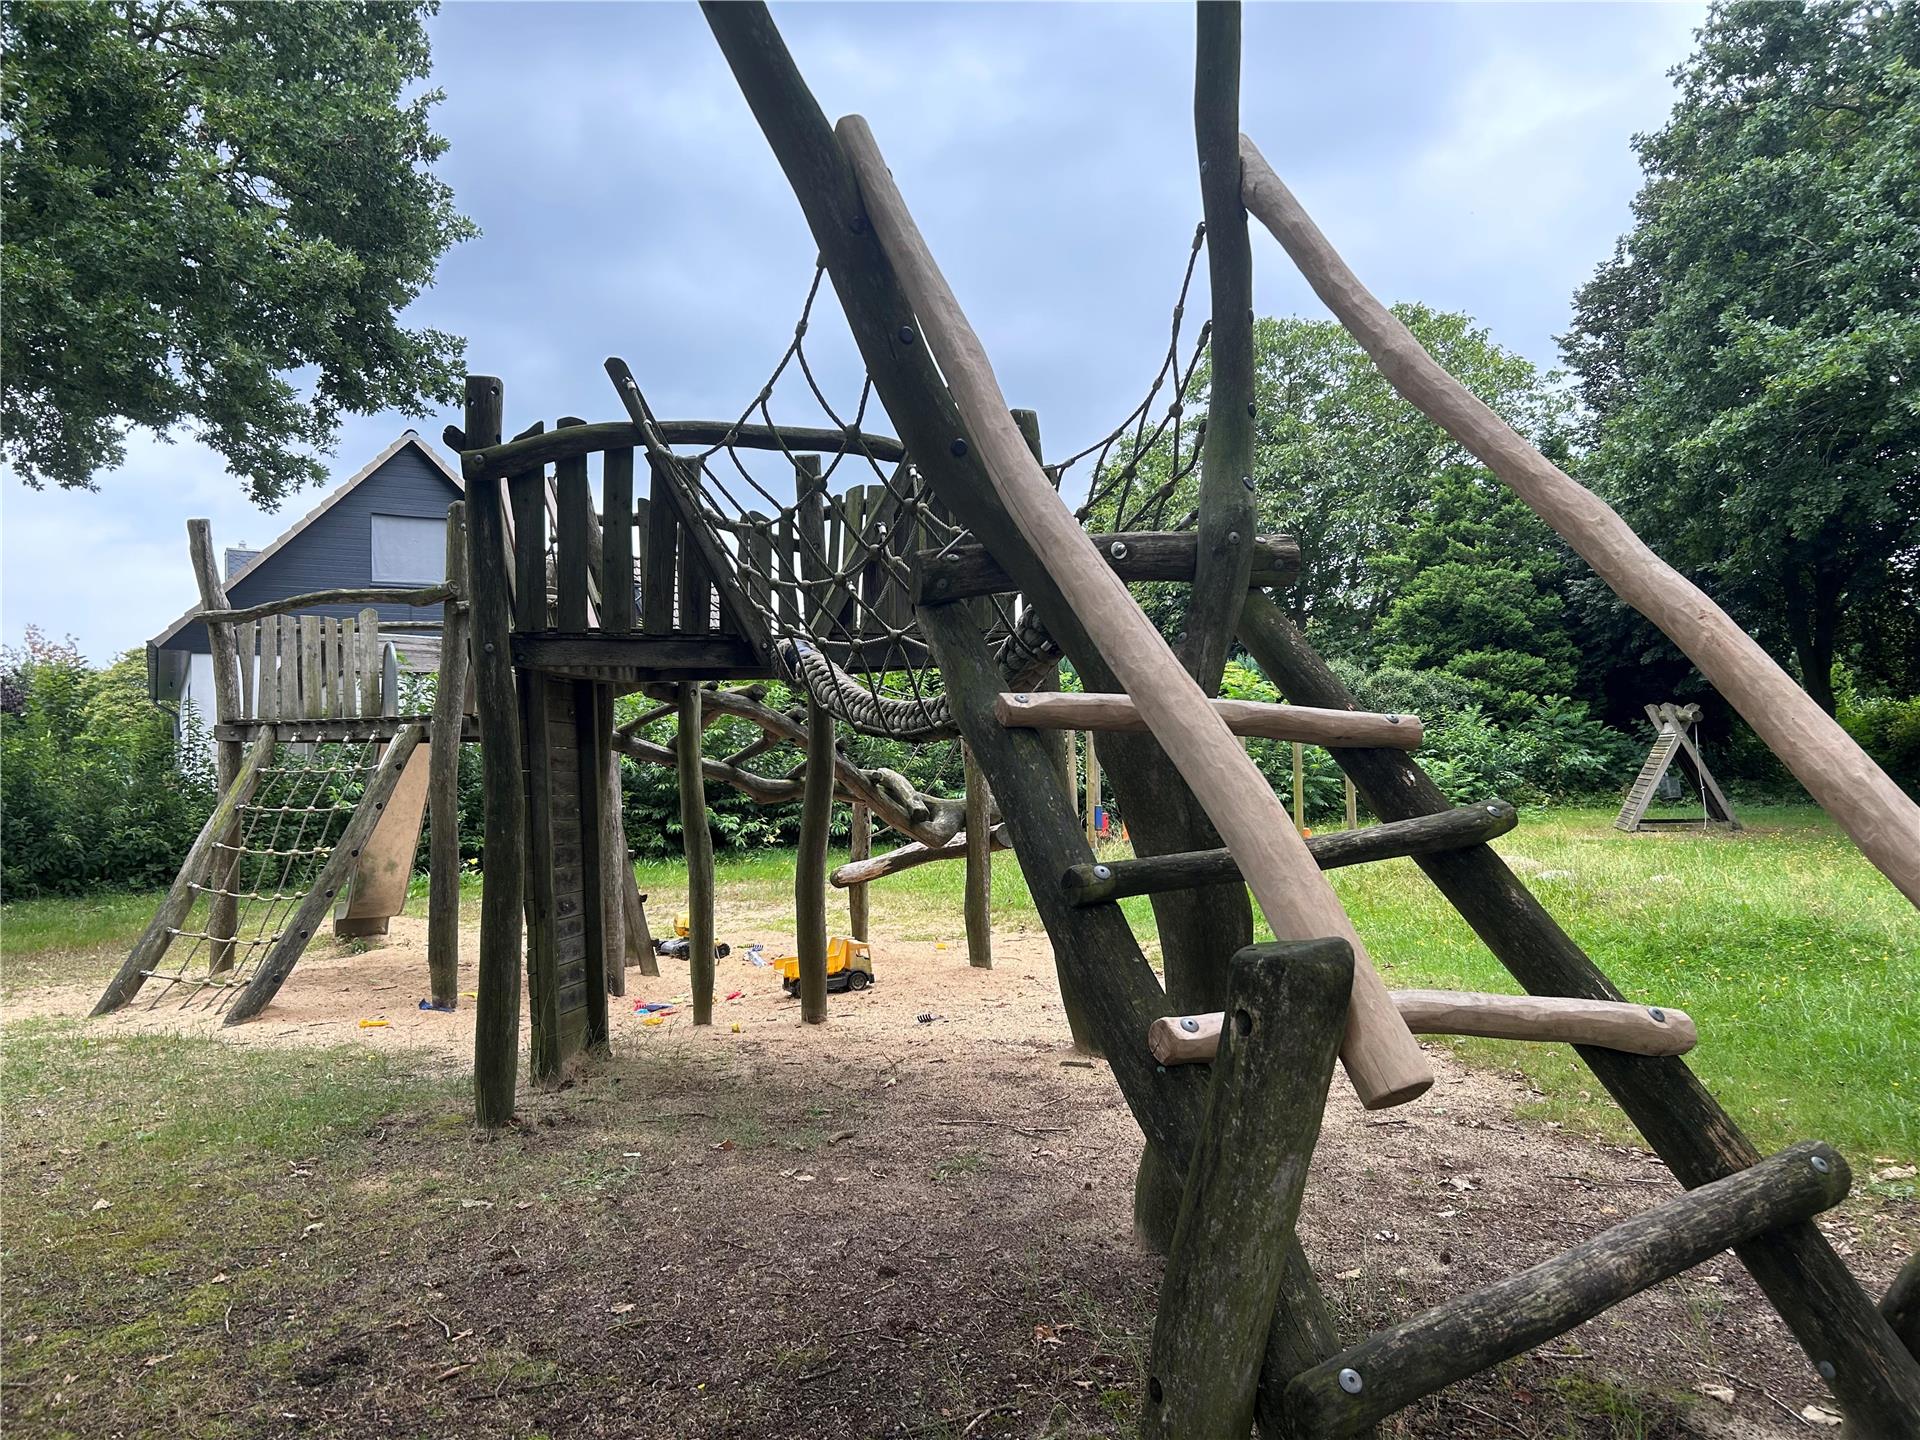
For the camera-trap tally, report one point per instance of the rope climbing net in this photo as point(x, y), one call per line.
point(829, 574)
point(257, 876)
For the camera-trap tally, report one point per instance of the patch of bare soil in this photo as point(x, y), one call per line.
point(915, 1220)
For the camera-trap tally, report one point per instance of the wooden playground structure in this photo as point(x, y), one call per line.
point(935, 598)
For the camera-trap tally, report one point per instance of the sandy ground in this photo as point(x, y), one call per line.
point(964, 1087)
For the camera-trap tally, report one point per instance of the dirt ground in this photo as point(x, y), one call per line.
point(915, 1220)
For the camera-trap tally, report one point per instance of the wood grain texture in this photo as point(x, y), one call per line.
point(1046, 710)
point(344, 595)
point(1422, 835)
point(1243, 1187)
point(859, 848)
point(223, 915)
point(548, 448)
point(1613, 1025)
point(1901, 1305)
point(443, 779)
point(1381, 1058)
point(1883, 821)
point(697, 841)
point(1134, 555)
point(810, 865)
point(977, 896)
point(1393, 1368)
point(908, 857)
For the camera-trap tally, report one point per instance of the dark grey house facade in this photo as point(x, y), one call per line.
point(384, 525)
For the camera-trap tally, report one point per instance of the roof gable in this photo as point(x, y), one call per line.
point(259, 573)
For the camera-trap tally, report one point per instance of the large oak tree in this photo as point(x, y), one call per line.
point(214, 215)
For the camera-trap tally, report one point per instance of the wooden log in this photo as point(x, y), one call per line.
point(909, 857)
point(1901, 1304)
point(1422, 835)
point(1097, 955)
point(859, 848)
point(223, 914)
point(572, 526)
point(978, 894)
point(1809, 1284)
point(1042, 711)
point(299, 927)
point(417, 596)
point(616, 542)
point(1223, 559)
point(698, 840)
point(1396, 1366)
point(496, 1038)
point(540, 450)
point(1092, 766)
point(599, 892)
point(194, 871)
point(613, 846)
point(1062, 742)
point(810, 865)
point(443, 779)
point(1135, 556)
point(1611, 1024)
point(1883, 821)
point(1243, 1187)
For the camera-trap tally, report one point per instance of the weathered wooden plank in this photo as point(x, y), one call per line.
point(1421, 835)
point(573, 503)
point(443, 778)
point(527, 491)
point(1396, 1366)
point(547, 818)
point(246, 644)
point(698, 842)
point(313, 694)
point(659, 572)
point(616, 542)
point(1243, 1187)
point(597, 956)
point(373, 690)
point(421, 595)
point(1044, 710)
point(1167, 555)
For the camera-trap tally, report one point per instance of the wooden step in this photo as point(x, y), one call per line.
point(1389, 1370)
point(1052, 710)
point(1095, 884)
point(1609, 1024)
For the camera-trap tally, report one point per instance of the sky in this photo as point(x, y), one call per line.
point(1473, 157)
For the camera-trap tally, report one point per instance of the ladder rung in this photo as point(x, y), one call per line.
point(1606, 1024)
point(1423, 835)
point(1349, 1392)
point(1053, 710)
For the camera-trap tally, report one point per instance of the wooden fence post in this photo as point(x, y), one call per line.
point(443, 774)
point(698, 843)
point(979, 886)
point(223, 908)
point(810, 867)
point(859, 847)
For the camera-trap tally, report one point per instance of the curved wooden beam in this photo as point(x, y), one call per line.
point(1882, 820)
point(531, 452)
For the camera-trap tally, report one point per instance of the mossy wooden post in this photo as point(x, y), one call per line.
point(496, 1034)
point(1287, 1004)
point(443, 774)
point(859, 847)
point(223, 908)
point(979, 887)
point(698, 841)
point(810, 866)
point(1060, 742)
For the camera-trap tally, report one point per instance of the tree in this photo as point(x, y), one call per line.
point(202, 199)
point(1377, 495)
point(1751, 352)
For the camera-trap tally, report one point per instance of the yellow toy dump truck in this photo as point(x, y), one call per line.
point(849, 966)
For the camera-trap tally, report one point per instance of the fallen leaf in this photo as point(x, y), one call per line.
point(1820, 1415)
point(1353, 1274)
point(1045, 1335)
point(316, 1225)
point(1716, 1392)
point(476, 1204)
point(1896, 1172)
point(1461, 1183)
point(103, 1204)
point(626, 1308)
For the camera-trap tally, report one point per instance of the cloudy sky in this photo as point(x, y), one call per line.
point(1474, 157)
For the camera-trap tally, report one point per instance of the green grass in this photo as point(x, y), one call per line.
point(1797, 960)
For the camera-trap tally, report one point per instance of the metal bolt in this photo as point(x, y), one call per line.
point(957, 449)
point(1251, 410)
point(1103, 872)
point(1827, 1372)
point(1493, 809)
point(1118, 550)
point(1247, 480)
point(1189, 1024)
point(1350, 1381)
point(859, 225)
point(1659, 1015)
point(1233, 537)
point(1019, 699)
point(489, 647)
point(1819, 1163)
point(1393, 719)
point(906, 334)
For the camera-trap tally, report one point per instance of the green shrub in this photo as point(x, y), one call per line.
point(93, 790)
point(1888, 729)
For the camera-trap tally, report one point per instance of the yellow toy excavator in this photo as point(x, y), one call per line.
point(849, 966)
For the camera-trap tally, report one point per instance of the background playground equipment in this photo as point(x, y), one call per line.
point(1676, 738)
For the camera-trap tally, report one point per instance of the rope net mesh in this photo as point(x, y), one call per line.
point(300, 805)
point(829, 575)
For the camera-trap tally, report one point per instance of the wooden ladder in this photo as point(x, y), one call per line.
point(1640, 793)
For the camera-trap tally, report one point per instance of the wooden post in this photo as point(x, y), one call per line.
point(496, 1035)
point(1807, 1282)
point(859, 847)
point(1387, 1371)
point(1299, 788)
point(698, 842)
point(639, 938)
point(1901, 1304)
point(223, 912)
point(614, 859)
point(1093, 789)
point(1061, 743)
point(1243, 1188)
point(810, 866)
point(443, 774)
point(979, 887)
point(1353, 809)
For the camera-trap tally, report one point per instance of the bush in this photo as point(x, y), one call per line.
point(93, 790)
point(1886, 728)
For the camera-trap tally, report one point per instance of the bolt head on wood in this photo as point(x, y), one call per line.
point(1351, 1382)
point(1118, 549)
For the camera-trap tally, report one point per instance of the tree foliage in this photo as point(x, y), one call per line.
point(201, 200)
point(1751, 352)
